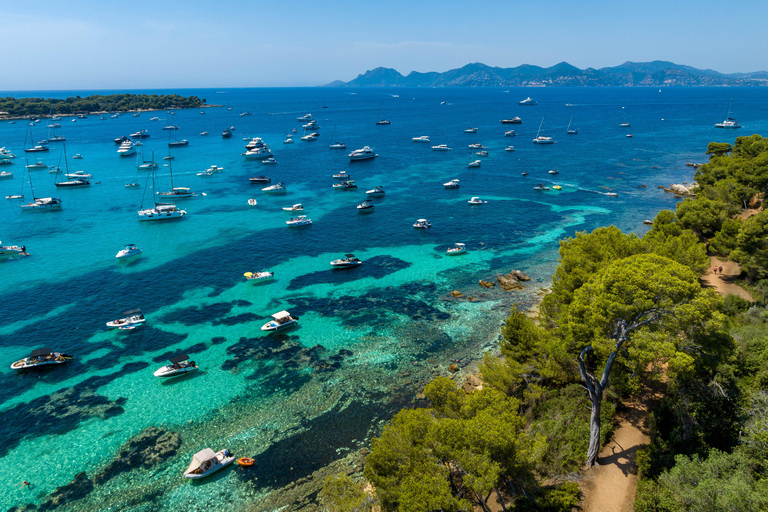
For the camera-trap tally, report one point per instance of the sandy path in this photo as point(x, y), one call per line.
point(723, 283)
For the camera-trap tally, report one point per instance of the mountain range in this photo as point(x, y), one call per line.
point(652, 74)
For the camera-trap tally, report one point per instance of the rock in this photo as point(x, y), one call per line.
point(453, 368)
point(421, 396)
point(509, 282)
point(520, 275)
point(456, 293)
point(78, 488)
point(487, 284)
point(472, 383)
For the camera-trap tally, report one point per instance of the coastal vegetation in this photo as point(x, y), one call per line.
point(20, 107)
point(623, 312)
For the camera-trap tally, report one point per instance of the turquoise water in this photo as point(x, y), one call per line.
point(369, 337)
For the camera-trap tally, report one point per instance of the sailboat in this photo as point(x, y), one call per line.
point(470, 129)
point(541, 139)
point(40, 148)
point(625, 124)
point(573, 131)
point(336, 144)
point(146, 165)
point(175, 192)
point(79, 181)
point(383, 120)
point(160, 211)
point(729, 121)
point(176, 143)
point(40, 204)
point(54, 138)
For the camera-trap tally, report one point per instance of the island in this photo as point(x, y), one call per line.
point(25, 107)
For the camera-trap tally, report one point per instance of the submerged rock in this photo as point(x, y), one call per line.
point(509, 282)
point(77, 489)
point(520, 275)
point(487, 284)
point(149, 447)
point(456, 293)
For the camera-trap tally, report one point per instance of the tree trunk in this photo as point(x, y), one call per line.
point(501, 499)
point(594, 430)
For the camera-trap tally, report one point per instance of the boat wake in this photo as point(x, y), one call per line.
point(577, 187)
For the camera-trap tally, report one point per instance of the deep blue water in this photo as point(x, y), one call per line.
point(300, 400)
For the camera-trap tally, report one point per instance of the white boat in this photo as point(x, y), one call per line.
point(129, 251)
point(378, 191)
point(345, 185)
point(441, 147)
point(729, 122)
point(126, 148)
point(260, 179)
point(40, 358)
point(510, 148)
point(178, 143)
point(554, 171)
point(475, 163)
point(295, 208)
point(276, 188)
point(514, 120)
point(475, 200)
point(141, 134)
point(5, 154)
point(40, 204)
point(205, 173)
point(281, 320)
point(347, 261)
point(365, 206)
point(528, 101)
point(206, 462)
point(132, 185)
point(246, 114)
point(337, 145)
point(452, 184)
point(541, 139)
point(252, 202)
point(312, 125)
point(264, 275)
point(624, 125)
point(510, 133)
point(269, 161)
point(161, 211)
point(477, 145)
point(341, 176)
point(540, 186)
point(482, 153)
point(458, 248)
point(364, 153)
point(301, 220)
point(154, 118)
point(15, 196)
point(180, 364)
point(422, 223)
point(5, 175)
point(215, 168)
point(611, 194)
point(36, 166)
point(257, 154)
point(423, 138)
point(255, 143)
point(311, 136)
point(12, 250)
point(307, 117)
point(288, 140)
point(79, 174)
point(571, 131)
point(132, 317)
point(470, 130)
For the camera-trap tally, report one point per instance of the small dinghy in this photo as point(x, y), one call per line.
point(207, 462)
point(252, 202)
point(180, 364)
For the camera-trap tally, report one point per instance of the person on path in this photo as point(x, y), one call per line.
point(721, 270)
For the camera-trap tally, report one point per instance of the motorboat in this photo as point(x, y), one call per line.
point(5, 154)
point(364, 153)
point(227, 133)
point(56, 138)
point(82, 182)
point(121, 139)
point(147, 166)
point(345, 185)
point(528, 101)
point(131, 317)
point(36, 165)
point(207, 462)
point(510, 149)
point(422, 223)
point(170, 127)
point(475, 200)
point(629, 135)
point(510, 133)
point(347, 261)
point(295, 208)
point(203, 134)
point(264, 275)
point(452, 184)
point(482, 153)
point(260, 179)
point(571, 131)
point(132, 185)
point(301, 220)
point(169, 157)
point(12, 250)
point(82, 116)
point(289, 140)
point(257, 154)
point(476, 146)
point(126, 148)
point(475, 163)
point(311, 136)
point(40, 358)
point(141, 134)
point(254, 143)
point(280, 320)
point(130, 251)
point(214, 168)
point(154, 118)
point(54, 125)
point(524, 173)
point(269, 161)
point(624, 125)
point(611, 194)
point(4, 175)
point(37, 149)
point(378, 191)
point(470, 130)
point(383, 122)
point(307, 117)
point(312, 125)
point(514, 120)
point(458, 248)
point(554, 171)
point(246, 113)
point(78, 156)
point(42, 204)
point(276, 188)
point(365, 206)
point(180, 364)
point(341, 176)
point(15, 196)
point(205, 173)
point(540, 186)
point(178, 143)
point(423, 138)
point(252, 202)
point(441, 147)
point(337, 145)
point(6, 161)
point(161, 211)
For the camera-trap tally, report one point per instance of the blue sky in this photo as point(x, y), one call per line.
point(87, 44)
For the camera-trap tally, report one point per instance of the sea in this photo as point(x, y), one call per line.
point(102, 433)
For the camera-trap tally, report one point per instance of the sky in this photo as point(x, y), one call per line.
point(141, 44)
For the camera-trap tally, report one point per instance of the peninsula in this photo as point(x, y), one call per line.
point(20, 107)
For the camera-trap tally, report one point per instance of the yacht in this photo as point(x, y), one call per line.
point(378, 191)
point(337, 145)
point(178, 143)
point(510, 148)
point(347, 261)
point(301, 220)
point(254, 143)
point(295, 208)
point(514, 120)
point(78, 156)
point(121, 139)
point(6, 161)
point(452, 184)
point(528, 101)
point(161, 211)
point(729, 123)
point(441, 147)
point(624, 125)
point(364, 153)
point(176, 193)
point(269, 161)
point(341, 176)
point(130, 251)
point(126, 148)
point(312, 125)
point(215, 168)
point(470, 130)
point(311, 136)
point(246, 113)
point(141, 134)
point(554, 171)
point(476, 146)
point(73, 183)
point(510, 133)
point(226, 134)
point(132, 185)
point(260, 179)
point(154, 118)
point(383, 122)
point(12, 250)
point(206, 462)
point(281, 320)
point(132, 317)
point(57, 138)
point(205, 173)
point(203, 134)
point(180, 364)
point(42, 204)
point(345, 185)
point(307, 117)
point(571, 131)
point(458, 248)
point(257, 154)
point(276, 188)
point(482, 153)
point(170, 127)
point(475, 200)
point(40, 358)
point(541, 139)
point(422, 223)
point(37, 149)
point(423, 138)
point(264, 275)
point(476, 163)
point(365, 206)
point(5, 154)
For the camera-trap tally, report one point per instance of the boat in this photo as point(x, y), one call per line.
point(205, 173)
point(540, 186)
point(470, 130)
point(180, 364)
point(441, 147)
point(475, 200)
point(295, 208)
point(365, 206)
point(252, 202)
point(129, 251)
point(4, 175)
point(131, 317)
point(126, 148)
point(624, 125)
point(226, 134)
point(254, 143)
point(528, 101)
point(557, 187)
point(260, 179)
point(514, 120)
point(364, 153)
point(341, 176)
point(524, 173)
point(54, 125)
point(510, 148)
point(423, 138)
point(175, 192)
point(476, 146)
point(422, 223)
point(56, 138)
point(475, 163)
point(12, 250)
point(269, 161)
point(141, 134)
point(5, 154)
point(611, 194)
point(554, 171)
point(121, 139)
point(301, 220)
point(571, 131)
point(37, 149)
point(458, 248)
point(729, 123)
point(36, 166)
point(510, 133)
point(257, 154)
point(541, 139)
point(309, 137)
point(207, 462)
point(154, 118)
point(40, 204)
point(246, 113)
point(132, 185)
point(276, 188)
point(203, 134)
point(482, 153)
point(15, 196)
point(349, 260)
point(452, 184)
point(307, 117)
point(629, 135)
point(289, 139)
point(146, 165)
point(337, 144)
point(280, 320)
point(178, 143)
point(312, 125)
point(170, 127)
point(6, 161)
point(78, 156)
point(345, 185)
point(160, 211)
point(215, 168)
point(383, 122)
point(378, 191)
point(40, 358)
point(76, 180)
point(264, 275)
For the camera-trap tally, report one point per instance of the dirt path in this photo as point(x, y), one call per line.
point(723, 282)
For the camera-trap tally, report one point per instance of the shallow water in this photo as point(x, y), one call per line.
point(301, 399)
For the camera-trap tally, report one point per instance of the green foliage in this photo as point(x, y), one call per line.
point(95, 103)
point(725, 240)
point(733, 305)
point(718, 149)
point(342, 494)
point(701, 215)
point(563, 497)
point(752, 246)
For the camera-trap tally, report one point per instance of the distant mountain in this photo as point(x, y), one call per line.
point(643, 74)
